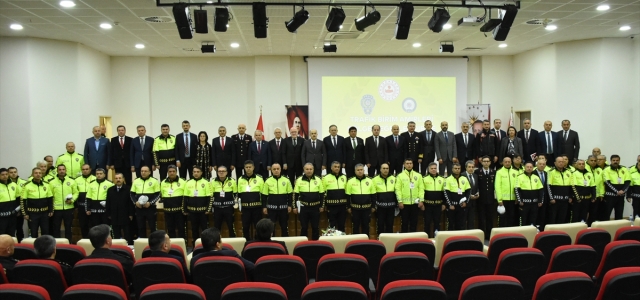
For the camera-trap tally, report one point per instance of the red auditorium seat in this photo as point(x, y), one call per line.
point(595, 237)
point(123, 251)
point(621, 284)
point(175, 250)
point(100, 271)
point(371, 250)
point(458, 266)
point(18, 291)
point(501, 242)
point(24, 252)
point(45, 273)
point(458, 243)
point(334, 290)
point(254, 251)
point(581, 258)
point(94, 292)
point(628, 233)
point(424, 246)
point(288, 271)
point(213, 274)
point(618, 254)
point(524, 264)
point(70, 254)
point(564, 285)
point(548, 241)
point(413, 289)
point(494, 287)
point(3, 277)
point(254, 290)
point(154, 270)
point(403, 266)
point(344, 267)
point(172, 291)
point(311, 252)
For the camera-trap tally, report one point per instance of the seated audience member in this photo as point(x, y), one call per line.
point(264, 231)
point(100, 237)
point(160, 245)
point(45, 246)
point(212, 245)
point(6, 255)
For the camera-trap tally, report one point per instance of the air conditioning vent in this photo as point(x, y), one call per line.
point(156, 19)
point(473, 49)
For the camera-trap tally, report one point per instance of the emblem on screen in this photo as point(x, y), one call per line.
point(367, 102)
point(409, 105)
point(389, 90)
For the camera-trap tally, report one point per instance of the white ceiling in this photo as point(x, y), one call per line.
point(576, 20)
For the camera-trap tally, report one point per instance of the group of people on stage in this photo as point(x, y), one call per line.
point(522, 178)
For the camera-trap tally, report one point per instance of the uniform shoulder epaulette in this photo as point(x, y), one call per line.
point(61, 155)
point(258, 175)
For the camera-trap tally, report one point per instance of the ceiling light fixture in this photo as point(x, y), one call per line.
point(551, 27)
point(334, 19)
point(298, 19)
point(602, 7)
point(403, 24)
point(446, 47)
point(67, 3)
point(438, 19)
point(106, 26)
point(16, 27)
point(328, 47)
point(235, 45)
point(503, 45)
point(416, 45)
point(206, 48)
point(508, 15)
point(368, 19)
point(446, 26)
point(140, 46)
point(625, 28)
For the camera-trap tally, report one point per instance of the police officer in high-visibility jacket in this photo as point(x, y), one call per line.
point(617, 180)
point(82, 183)
point(308, 192)
point(198, 201)
point(225, 192)
point(172, 193)
point(530, 195)
point(583, 185)
point(594, 207)
point(360, 199)
point(457, 192)
point(409, 192)
point(505, 192)
point(14, 177)
point(9, 203)
point(277, 195)
point(433, 185)
point(97, 198)
point(72, 160)
point(633, 193)
point(560, 195)
point(385, 201)
point(334, 185)
point(37, 203)
point(65, 193)
point(145, 193)
point(164, 151)
point(249, 188)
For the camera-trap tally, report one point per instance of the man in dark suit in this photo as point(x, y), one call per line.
point(223, 152)
point(395, 149)
point(541, 165)
point(375, 151)
point(100, 237)
point(474, 182)
point(260, 154)
point(241, 143)
point(212, 246)
point(446, 150)
point(486, 203)
point(160, 245)
point(313, 152)
point(464, 144)
point(334, 144)
point(529, 138)
point(141, 152)
point(293, 155)
point(571, 141)
point(186, 145)
point(427, 147)
point(549, 142)
point(353, 152)
point(412, 143)
point(97, 150)
point(497, 123)
point(276, 147)
point(120, 153)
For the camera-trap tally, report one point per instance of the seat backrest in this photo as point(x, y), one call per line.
point(564, 285)
point(413, 289)
point(3, 278)
point(344, 267)
point(610, 226)
point(403, 266)
point(581, 258)
point(422, 245)
point(340, 241)
point(458, 266)
point(529, 232)
point(100, 271)
point(620, 284)
point(524, 264)
point(618, 254)
point(155, 270)
point(212, 274)
point(500, 287)
point(372, 250)
point(24, 252)
point(254, 290)
point(70, 254)
point(549, 240)
point(42, 272)
point(123, 251)
point(290, 241)
point(288, 271)
point(94, 291)
point(501, 242)
point(571, 229)
point(391, 239)
point(20, 291)
point(594, 237)
point(325, 290)
point(311, 252)
point(628, 233)
point(254, 251)
point(172, 291)
point(458, 243)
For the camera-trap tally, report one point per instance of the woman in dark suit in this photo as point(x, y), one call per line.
point(203, 155)
point(511, 145)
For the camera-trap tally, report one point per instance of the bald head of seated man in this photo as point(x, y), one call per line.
point(6, 255)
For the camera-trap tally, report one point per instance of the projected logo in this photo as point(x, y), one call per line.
point(367, 102)
point(409, 105)
point(389, 90)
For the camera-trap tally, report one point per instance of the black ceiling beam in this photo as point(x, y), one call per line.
point(364, 3)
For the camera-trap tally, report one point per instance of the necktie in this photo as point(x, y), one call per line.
point(498, 134)
point(118, 189)
point(186, 144)
point(565, 136)
point(428, 136)
point(121, 142)
point(465, 140)
point(353, 141)
point(313, 144)
point(294, 142)
point(142, 147)
point(278, 144)
point(446, 137)
point(471, 179)
point(396, 141)
point(541, 176)
point(222, 143)
point(486, 172)
point(334, 142)
point(549, 149)
point(258, 146)
point(376, 138)
point(527, 135)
